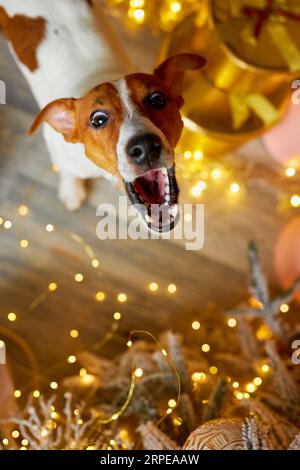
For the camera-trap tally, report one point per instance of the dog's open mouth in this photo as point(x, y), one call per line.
point(155, 194)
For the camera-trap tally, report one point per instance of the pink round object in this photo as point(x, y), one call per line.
point(283, 141)
point(287, 255)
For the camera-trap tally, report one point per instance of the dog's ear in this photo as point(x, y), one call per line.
point(173, 69)
point(60, 115)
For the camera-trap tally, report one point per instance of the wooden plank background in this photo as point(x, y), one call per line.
point(215, 276)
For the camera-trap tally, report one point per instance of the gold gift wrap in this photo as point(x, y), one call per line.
point(247, 60)
point(210, 115)
point(230, 101)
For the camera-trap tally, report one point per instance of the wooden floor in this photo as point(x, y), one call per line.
point(215, 276)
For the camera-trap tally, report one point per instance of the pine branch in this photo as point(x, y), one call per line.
point(283, 381)
point(255, 438)
point(259, 287)
point(247, 339)
point(212, 409)
point(177, 356)
point(154, 439)
point(295, 445)
point(281, 431)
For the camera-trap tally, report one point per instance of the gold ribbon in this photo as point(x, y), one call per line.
point(277, 27)
point(242, 105)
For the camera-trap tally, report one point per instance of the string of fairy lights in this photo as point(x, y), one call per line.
point(233, 177)
point(195, 164)
point(161, 15)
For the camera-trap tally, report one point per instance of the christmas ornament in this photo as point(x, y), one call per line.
point(218, 434)
point(287, 254)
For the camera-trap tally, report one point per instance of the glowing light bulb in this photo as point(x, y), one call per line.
point(198, 155)
point(257, 381)
point(172, 403)
point(263, 333)
point(52, 287)
point(17, 393)
point(213, 370)
point(196, 325)
point(15, 434)
point(122, 298)
point(198, 377)
point(175, 7)
point(7, 225)
point(239, 395)
point(137, 3)
point(95, 263)
point(153, 286)
point(235, 384)
point(164, 352)
point(12, 316)
point(36, 393)
point(23, 210)
point(187, 154)
point(284, 308)
point(250, 387)
point(72, 359)
point(49, 228)
point(100, 296)
point(232, 322)
point(78, 277)
point(234, 187)
point(117, 316)
point(172, 288)
point(205, 347)
point(295, 200)
point(129, 344)
point(138, 372)
point(54, 385)
point(74, 334)
point(265, 368)
point(139, 15)
point(216, 174)
point(290, 171)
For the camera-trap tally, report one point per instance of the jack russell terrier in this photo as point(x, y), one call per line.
point(125, 128)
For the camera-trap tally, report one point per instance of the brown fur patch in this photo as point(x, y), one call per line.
point(25, 35)
point(100, 145)
point(168, 120)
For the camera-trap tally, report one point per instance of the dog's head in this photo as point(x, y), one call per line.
point(130, 128)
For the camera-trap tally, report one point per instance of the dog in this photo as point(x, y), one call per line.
point(122, 125)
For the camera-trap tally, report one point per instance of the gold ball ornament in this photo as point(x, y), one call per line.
point(218, 434)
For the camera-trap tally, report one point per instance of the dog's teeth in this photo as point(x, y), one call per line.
point(167, 197)
point(167, 189)
point(164, 171)
point(148, 218)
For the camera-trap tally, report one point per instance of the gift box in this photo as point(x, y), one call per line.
point(229, 102)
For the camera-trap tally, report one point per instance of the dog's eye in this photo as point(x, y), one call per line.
point(158, 100)
point(98, 119)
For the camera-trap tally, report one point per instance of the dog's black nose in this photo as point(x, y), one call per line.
point(144, 149)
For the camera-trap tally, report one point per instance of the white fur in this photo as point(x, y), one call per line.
point(71, 62)
point(134, 123)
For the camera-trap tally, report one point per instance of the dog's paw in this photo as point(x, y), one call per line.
point(72, 192)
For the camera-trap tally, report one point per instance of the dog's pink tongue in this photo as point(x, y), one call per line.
point(151, 187)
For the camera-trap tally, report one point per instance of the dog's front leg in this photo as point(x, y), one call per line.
point(72, 190)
